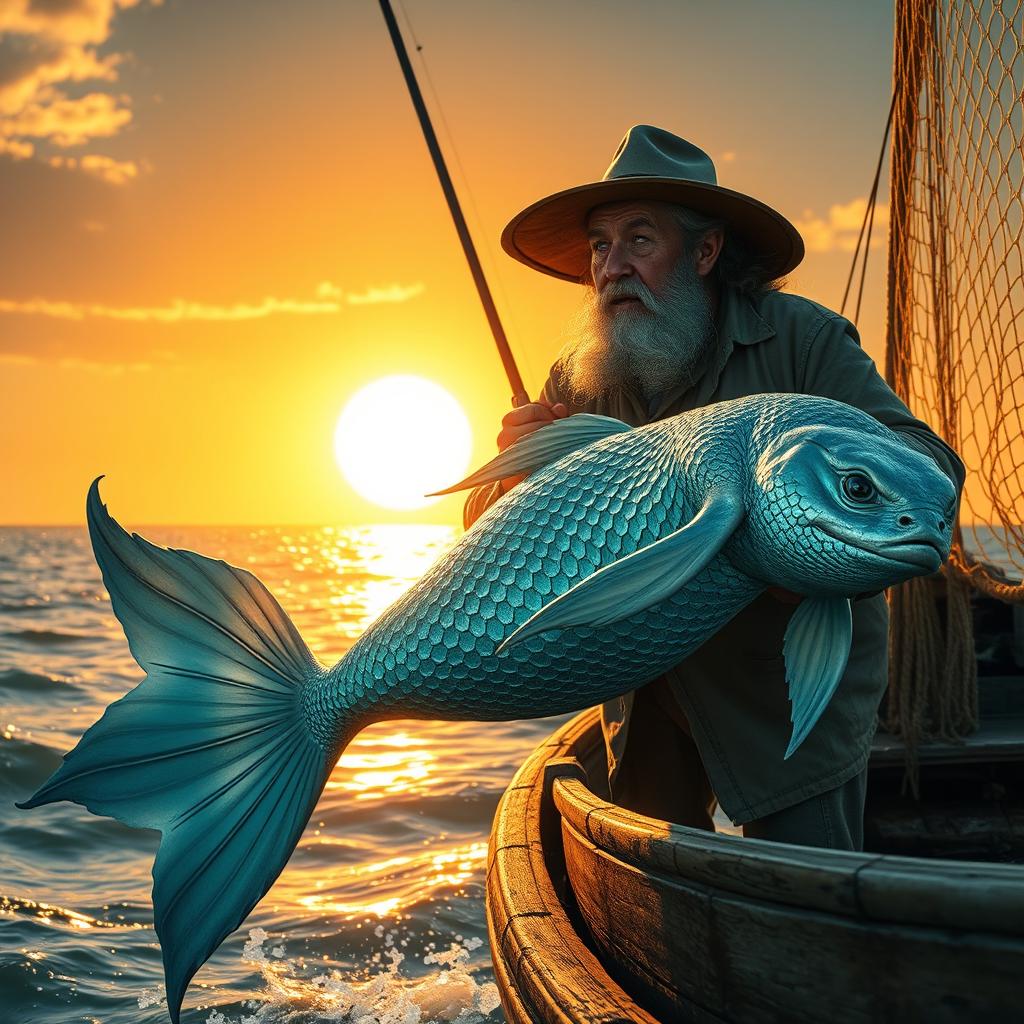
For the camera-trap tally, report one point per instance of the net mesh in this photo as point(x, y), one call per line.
point(955, 350)
point(956, 326)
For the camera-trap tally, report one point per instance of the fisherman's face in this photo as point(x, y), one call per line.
point(632, 240)
point(647, 321)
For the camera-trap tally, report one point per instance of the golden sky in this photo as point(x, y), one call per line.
point(220, 220)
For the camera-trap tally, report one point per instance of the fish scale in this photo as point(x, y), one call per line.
point(622, 552)
point(562, 528)
point(561, 525)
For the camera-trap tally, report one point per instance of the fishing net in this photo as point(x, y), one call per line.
point(956, 325)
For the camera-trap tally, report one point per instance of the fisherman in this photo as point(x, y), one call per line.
point(683, 308)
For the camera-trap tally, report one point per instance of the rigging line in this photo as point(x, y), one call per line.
point(869, 213)
point(864, 263)
point(488, 244)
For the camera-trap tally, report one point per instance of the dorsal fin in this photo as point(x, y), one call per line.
point(543, 447)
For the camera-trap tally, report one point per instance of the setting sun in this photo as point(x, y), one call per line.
point(400, 438)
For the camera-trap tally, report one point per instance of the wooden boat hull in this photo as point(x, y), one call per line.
point(663, 922)
point(544, 970)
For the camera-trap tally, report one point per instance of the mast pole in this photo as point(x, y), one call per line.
point(519, 396)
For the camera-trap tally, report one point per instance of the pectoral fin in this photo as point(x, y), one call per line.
point(642, 579)
point(542, 447)
point(816, 649)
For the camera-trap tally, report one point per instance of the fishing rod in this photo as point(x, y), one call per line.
point(519, 396)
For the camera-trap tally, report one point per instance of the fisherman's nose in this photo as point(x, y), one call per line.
point(616, 266)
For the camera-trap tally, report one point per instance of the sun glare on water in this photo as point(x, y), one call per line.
point(400, 438)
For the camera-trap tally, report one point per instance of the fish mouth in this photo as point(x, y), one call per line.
point(926, 554)
point(921, 552)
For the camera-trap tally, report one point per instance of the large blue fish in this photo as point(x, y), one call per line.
point(621, 553)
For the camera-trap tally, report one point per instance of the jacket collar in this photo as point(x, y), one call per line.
point(740, 321)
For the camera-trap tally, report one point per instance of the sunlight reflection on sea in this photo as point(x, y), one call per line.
point(379, 914)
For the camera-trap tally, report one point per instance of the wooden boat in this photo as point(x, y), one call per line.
point(599, 914)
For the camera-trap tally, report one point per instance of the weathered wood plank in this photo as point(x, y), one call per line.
point(617, 916)
point(751, 960)
point(786, 965)
point(794, 874)
point(706, 928)
point(544, 971)
point(999, 739)
point(516, 1011)
point(967, 895)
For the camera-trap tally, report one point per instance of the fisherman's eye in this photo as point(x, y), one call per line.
point(857, 487)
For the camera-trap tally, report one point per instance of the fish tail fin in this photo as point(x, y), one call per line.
point(214, 747)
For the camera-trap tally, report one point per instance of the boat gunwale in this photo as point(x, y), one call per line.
point(527, 924)
point(880, 888)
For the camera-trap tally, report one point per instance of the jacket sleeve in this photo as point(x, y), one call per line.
point(483, 497)
point(835, 366)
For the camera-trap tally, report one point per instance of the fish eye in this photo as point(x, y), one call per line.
point(859, 488)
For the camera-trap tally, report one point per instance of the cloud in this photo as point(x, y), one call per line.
point(18, 359)
point(68, 122)
point(114, 172)
point(326, 290)
point(178, 311)
point(29, 66)
point(69, 21)
point(45, 45)
point(839, 230)
point(76, 363)
point(15, 149)
point(390, 293)
point(329, 300)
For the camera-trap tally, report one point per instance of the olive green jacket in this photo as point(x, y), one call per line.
point(733, 688)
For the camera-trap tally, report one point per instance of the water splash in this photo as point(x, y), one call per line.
point(152, 997)
point(449, 995)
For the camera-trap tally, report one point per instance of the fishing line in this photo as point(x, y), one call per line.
point(494, 273)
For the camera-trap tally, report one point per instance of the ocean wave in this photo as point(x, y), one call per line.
point(16, 680)
point(46, 637)
point(26, 764)
point(30, 605)
point(63, 980)
point(60, 916)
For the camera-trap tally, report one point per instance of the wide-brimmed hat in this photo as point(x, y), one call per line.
point(650, 163)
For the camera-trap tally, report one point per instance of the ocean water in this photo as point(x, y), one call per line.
point(379, 915)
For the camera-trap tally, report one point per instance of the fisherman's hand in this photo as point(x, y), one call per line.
point(523, 420)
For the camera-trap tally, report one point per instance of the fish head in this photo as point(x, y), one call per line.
point(841, 511)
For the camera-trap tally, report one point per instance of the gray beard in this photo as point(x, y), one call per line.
point(655, 347)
